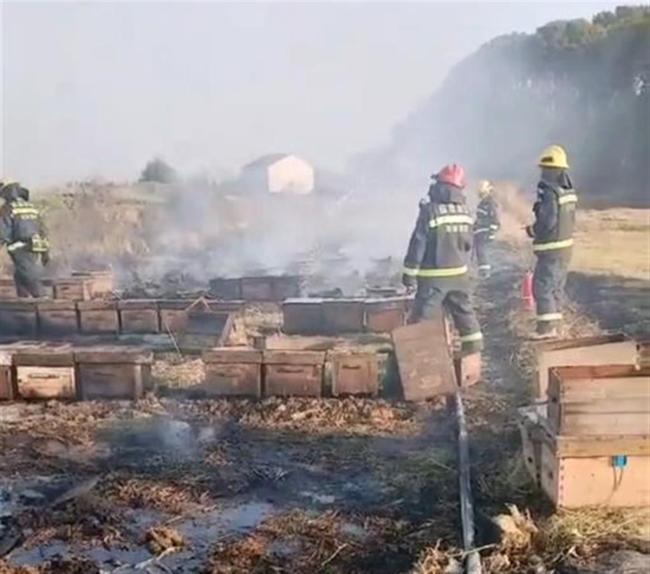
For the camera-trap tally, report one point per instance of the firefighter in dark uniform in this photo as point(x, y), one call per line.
point(23, 234)
point(552, 235)
point(438, 255)
point(486, 226)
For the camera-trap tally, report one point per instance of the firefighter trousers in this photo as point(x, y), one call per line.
point(482, 251)
point(27, 273)
point(452, 295)
point(548, 288)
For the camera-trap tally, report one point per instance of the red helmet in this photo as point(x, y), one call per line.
point(452, 174)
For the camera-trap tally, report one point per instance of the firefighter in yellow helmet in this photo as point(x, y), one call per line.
point(552, 235)
point(23, 234)
point(486, 225)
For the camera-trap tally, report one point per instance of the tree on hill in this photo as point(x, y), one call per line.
point(159, 171)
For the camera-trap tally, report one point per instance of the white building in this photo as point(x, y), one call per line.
point(278, 173)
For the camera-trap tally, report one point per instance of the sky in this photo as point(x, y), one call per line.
point(95, 89)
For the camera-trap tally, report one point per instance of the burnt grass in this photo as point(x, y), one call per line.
point(297, 485)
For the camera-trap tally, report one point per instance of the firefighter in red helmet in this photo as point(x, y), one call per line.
point(436, 263)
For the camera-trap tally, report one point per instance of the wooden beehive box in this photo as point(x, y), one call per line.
point(353, 373)
point(293, 373)
point(45, 372)
point(113, 372)
point(342, 316)
point(139, 316)
point(590, 351)
point(233, 371)
point(468, 369)
point(7, 378)
point(173, 314)
point(599, 400)
point(384, 314)
point(424, 360)
point(302, 316)
point(73, 288)
point(58, 317)
point(100, 283)
point(225, 288)
point(577, 471)
point(98, 317)
point(18, 317)
point(7, 288)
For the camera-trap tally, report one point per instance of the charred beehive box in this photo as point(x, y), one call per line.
point(302, 316)
point(173, 314)
point(225, 288)
point(257, 288)
point(342, 316)
point(73, 288)
point(293, 373)
point(353, 373)
point(98, 317)
point(233, 372)
point(7, 288)
point(57, 317)
point(205, 329)
point(18, 317)
point(286, 287)
point(139, 316)
point(7, 378)
point(113, 372)
point(45, 372)
point(382, 315)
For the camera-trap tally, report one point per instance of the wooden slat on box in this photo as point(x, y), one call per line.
point(603, 350)
point(46, 382)
point(599, 400)
point(73, 288)
point(382, 315)
point(353, 373)
point(7, 379)
point(595, 481)
point(342, 316)
point(424, 360)
point(18, 317)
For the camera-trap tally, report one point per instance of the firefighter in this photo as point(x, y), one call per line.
point(485, 226)
point(552, 235)
point(436, 263)
point(23, 233)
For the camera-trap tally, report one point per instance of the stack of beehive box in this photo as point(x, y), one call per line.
point(249, 372)
point(587, 440)
point(60, 371)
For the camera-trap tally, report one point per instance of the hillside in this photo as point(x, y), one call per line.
point(585, 85)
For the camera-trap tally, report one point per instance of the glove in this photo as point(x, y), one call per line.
point(45, 258)
point(409, 282)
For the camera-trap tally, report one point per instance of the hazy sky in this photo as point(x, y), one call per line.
point(96, 89)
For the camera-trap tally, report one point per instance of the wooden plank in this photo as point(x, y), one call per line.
point(633, 423)
point(608, 350)
point(114, 354)
point(604, 445)
point(39, 382)
point(232, 355)
point(8, 390)
point(290, 357)
point(424, 360)
point(468, 369)
point(619, 388)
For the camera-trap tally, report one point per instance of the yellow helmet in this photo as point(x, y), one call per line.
point(485, 187)
point(554, 156)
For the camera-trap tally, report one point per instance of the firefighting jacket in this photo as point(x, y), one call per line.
point(21, 225)
point(442, 239)
point(554, 218)
point(487, 218)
